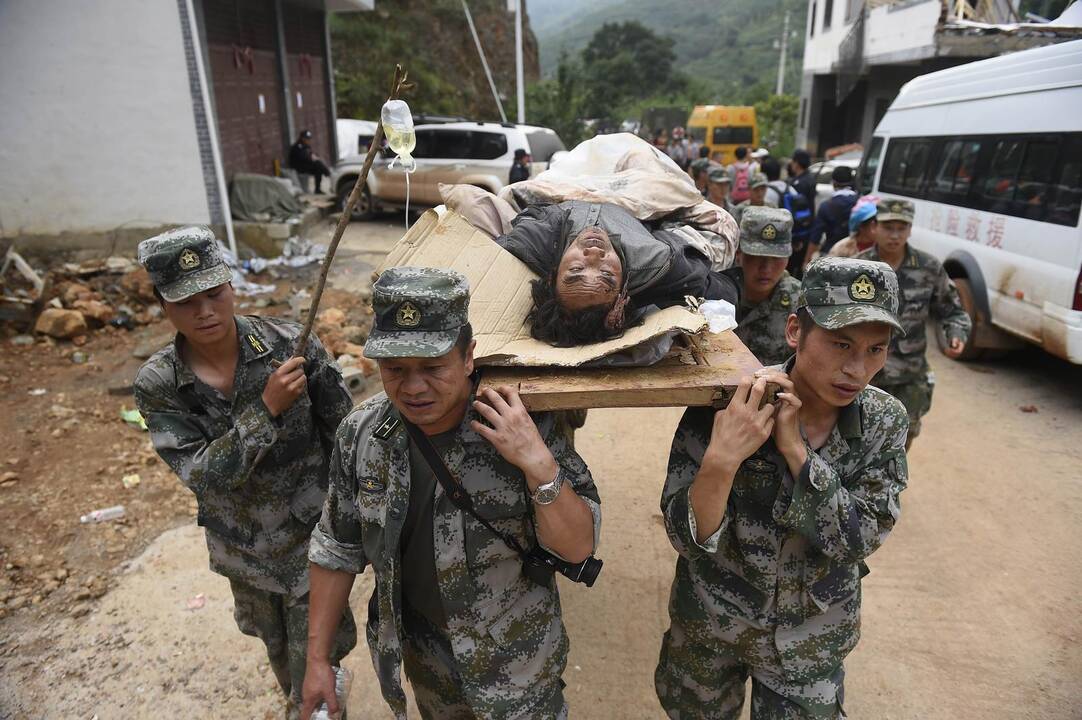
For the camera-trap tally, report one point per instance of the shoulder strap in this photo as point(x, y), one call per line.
point(453, 489)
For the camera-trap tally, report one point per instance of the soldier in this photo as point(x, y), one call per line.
point(757, 196)
point(249, 429)
point(477, 637)
point(926, 289)
point(769, 292)
point(717, 188)
point(773, 509)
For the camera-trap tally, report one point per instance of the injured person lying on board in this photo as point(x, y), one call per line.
point(600, 269)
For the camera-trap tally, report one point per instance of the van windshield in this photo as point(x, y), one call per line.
point(733, 135)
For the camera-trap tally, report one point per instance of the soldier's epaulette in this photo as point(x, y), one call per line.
point(387, 428)
point(256, 343)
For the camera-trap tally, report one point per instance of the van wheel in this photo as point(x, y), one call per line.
point(363, 209)
point(970, 351)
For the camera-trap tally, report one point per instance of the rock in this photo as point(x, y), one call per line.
point(61, 324)
point(76, 292)
point(118, 264)
point(355, 380)
point(137, 284)
point(332, 317)
point(95, 310)
point(22, 340)
point(368, 366)
point(150, 315)
point(355, 334)
point(10, 477)
point(79, 340)
point(79, 357)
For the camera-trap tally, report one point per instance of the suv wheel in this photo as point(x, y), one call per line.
point(363, 209)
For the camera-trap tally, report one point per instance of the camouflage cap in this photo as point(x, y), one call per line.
point(719, 174)
point(418, 312)
point(895, 209)
point(845, 291)
point(766, 231)
point(759, 180)
point(699, 164)
point(184, 262)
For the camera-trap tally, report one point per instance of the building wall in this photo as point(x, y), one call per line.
point(97, 119)
point(901, 31)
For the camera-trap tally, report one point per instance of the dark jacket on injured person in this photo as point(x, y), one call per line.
point(661, 266)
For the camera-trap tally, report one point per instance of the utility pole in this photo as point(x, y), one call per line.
point(518, 63)
point(780, 88)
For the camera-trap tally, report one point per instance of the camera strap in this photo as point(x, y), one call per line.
point(452, 488)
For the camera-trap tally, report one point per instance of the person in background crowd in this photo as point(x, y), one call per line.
point(831, 222)
point(699, 170)
point(802, 208)
point(757, 198)
point(305, 161)
point(661, 139)
point(863, 229)
point(717, 189)
point(520, 168)
point(759, 157)
point(678, 148)
point(704, 151)
point(926, 290)
point(740, 172)
point(776, 188)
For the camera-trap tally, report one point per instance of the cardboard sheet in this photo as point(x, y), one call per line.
point(705, 376)
point(500, 296)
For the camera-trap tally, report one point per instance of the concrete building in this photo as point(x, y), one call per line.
point(121, 117)
point(857, 55)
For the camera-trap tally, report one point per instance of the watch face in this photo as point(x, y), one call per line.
point(544, 496)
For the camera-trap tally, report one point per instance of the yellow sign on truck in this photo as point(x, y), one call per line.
point(724, 128)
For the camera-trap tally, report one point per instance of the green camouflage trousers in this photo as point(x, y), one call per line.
point(702, 674)
point(916, 395)
point(429, 663)
point(281, 622)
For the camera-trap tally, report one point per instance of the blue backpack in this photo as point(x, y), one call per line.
point(800, 209)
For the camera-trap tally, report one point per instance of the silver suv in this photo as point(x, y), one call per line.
point(471, 153)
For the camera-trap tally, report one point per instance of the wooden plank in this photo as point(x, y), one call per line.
point(681, 380)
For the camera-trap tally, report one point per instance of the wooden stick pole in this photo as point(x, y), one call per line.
point(397, 87)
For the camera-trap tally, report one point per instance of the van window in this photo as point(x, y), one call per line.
point(488, 146)
point(451, 144)
point(543, 145)
point(870, 165)
point(997, 187)
point(1065, 198)
point(1035, 178)
point(426, 139)
point(904, 168)
point(953, 171)
point(729, 135)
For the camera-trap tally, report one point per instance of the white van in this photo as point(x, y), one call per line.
point(991, 154)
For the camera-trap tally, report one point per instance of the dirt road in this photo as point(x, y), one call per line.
point(972, 609)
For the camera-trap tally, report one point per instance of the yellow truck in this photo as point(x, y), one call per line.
point(724, 128)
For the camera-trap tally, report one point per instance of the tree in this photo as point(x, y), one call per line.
point(557, 103)
point(623, 62)
point(777, 123)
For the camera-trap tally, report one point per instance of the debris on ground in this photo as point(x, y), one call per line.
point(197, 602)
point(1028, 408)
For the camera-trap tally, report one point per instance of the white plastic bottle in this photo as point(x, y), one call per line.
point(343, 680)
point(103, 515)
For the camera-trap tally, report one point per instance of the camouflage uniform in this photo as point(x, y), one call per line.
point(775, 592)
point(761, 326)
point(926, 290)
point(259, 481)
point(504, 648)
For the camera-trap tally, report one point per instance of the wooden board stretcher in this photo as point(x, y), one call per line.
point(689, 376)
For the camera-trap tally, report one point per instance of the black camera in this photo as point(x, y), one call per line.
point(539, 565)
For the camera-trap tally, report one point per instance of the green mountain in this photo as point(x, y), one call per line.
point(730, 46)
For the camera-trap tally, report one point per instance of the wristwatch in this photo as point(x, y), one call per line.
point(547, 493)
